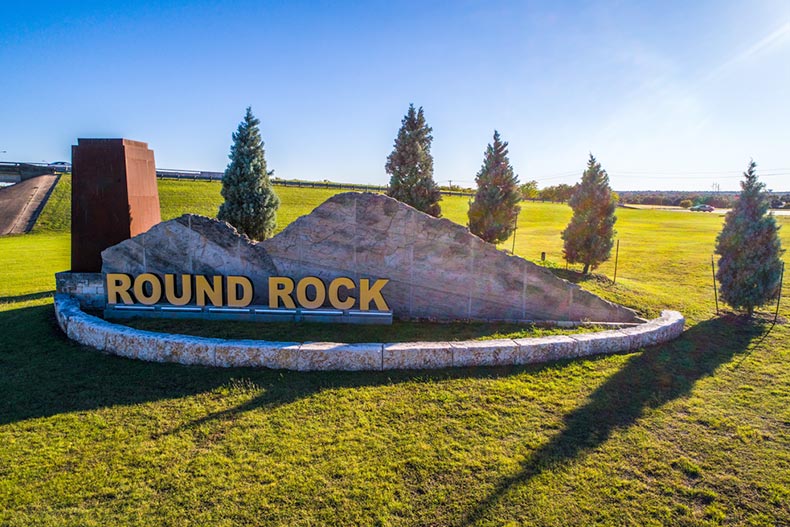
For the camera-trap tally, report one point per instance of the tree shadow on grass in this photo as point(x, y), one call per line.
point(25, 298)
point(649, 379)
point(43, 373)
point(577, 277)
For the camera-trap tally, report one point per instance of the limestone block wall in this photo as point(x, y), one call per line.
point(145, 345)
point(87, 288)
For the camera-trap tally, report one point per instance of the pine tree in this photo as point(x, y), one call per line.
point(590, 234)
point(493, 213)
point(750, 267)
point(410, 165)
point(250, 201)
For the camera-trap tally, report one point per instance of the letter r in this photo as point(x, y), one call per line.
point(119, 285)
point(281, 288)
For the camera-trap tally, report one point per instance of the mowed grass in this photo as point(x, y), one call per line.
point(695, 432)
point(399, 331)
point(664, 257)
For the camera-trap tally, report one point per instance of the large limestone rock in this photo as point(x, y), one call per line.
point(437, 269)
point(192, 245)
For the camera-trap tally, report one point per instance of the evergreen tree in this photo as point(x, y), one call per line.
point(750, 267)
point(250, 201)
point(590, 234)
point(493, 213)
point(410, 165)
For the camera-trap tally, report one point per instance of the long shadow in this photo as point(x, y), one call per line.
point(649, 379)
point(577, 277)
point(25, 298)
point(43, 373)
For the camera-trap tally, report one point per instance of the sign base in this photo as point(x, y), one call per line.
point(248, 314)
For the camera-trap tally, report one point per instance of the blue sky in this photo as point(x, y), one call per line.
point(667, 95)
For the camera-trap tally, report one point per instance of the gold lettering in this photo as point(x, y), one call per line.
point(368, 294)
point(301, 292)
point(186, 289)
point(139, 289)
point(148, 289)
point(212, 291)
point(233, 283)
point(280, 288)
point(334, 299)
point(119, 284)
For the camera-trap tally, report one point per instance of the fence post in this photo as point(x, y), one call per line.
point(515, 228)
point(715, 291)
point(778, 300)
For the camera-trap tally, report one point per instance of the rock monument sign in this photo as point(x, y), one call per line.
point(363, 250)
point(358, 257)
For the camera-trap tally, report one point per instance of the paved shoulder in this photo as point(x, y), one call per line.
point(20, 204)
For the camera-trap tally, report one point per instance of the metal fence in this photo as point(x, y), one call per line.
point(16, 168)
point(195, 175)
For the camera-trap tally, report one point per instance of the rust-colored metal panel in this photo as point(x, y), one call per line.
point(114, 197)
point(141, 187)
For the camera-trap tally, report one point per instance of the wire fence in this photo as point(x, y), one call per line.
point(189, 175)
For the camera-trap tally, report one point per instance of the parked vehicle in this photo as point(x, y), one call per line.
point(702, 208)
point(60, 166)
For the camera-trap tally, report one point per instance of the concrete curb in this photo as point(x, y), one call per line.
point(325, 356)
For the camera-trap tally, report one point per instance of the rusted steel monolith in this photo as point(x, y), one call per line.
point(113, 197)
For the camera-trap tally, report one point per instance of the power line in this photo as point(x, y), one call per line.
point(685, 174)
point(697, 177)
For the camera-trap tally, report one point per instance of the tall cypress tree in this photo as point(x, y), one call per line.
point(750, 266)
point(410, 165)
point(492, 214)
point(250, 201)
point(590, 234)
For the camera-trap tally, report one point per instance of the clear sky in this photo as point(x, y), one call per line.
point(667, 95)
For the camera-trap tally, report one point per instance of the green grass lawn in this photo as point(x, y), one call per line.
point(399, 331)
point(695, 432)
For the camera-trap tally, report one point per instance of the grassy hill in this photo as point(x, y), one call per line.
point(203, 197)
point(696, 432)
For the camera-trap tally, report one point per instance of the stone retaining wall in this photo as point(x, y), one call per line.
point(87, 288)
point(158, 347)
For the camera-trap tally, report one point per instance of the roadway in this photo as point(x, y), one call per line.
point(20, 204)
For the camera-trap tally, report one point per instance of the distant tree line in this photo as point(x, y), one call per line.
point(720, 200)
point(560, 193)
point(669, 198)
